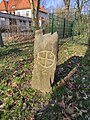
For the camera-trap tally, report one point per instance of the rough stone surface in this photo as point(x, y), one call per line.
point(45, 60)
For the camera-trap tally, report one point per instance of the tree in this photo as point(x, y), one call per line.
point(37, 14)
point(67, 5)
point(35, 24)
point(80, 4)
point(32, 14)
point(6, 4)
point(1, 41)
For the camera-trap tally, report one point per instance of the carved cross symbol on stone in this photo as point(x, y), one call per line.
point(46, 58)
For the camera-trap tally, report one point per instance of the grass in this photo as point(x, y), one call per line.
point(19, 101)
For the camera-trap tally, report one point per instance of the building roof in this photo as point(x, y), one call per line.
point(19, 5)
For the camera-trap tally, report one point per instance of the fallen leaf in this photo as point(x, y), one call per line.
point(77, 95)
point(62, 104)
point(69, 97)
point(70, 110)
point(80, 113)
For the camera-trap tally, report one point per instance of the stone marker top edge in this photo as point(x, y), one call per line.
point(41, 32)
point(53, 37)
point(38, 32)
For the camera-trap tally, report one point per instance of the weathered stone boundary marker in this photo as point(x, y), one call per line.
point(45, 61)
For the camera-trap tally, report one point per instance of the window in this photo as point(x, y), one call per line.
point(20, 21)
point(3, 19)
point(18, 13)
point(23, 13)
point(27, 13)
point(13, 6)
point(24, 22)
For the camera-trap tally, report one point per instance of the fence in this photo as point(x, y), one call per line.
point(68, 27)
point(82, 24)
point(62, 25)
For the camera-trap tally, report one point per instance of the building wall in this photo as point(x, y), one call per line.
point(41, 14)
point(25, 12)
point(8, 21)
point(3, 11)
point(2, 22)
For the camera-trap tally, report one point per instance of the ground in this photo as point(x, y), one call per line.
point(70, 101)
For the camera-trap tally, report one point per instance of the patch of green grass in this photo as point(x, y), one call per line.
point(19, 101)
point(75, 94)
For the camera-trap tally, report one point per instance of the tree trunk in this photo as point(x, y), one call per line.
point(78, 8)
point(6, 5)
point(37, 14)
point(1, 41)
point(67, 5)
point(32, 14)
point(80, 4)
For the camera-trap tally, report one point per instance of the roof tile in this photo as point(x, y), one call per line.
point(19, 4)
